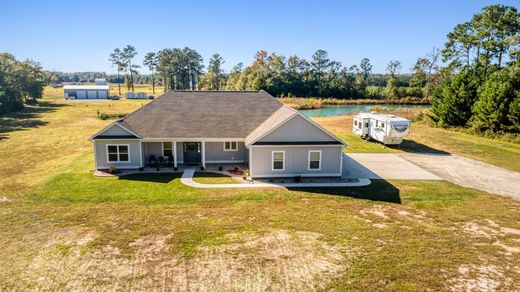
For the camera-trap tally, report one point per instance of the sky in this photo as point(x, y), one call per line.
point(74, 36)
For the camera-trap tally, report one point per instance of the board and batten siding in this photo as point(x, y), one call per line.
point(134, 154)
point(115, 130)
point(296, 161)
point(297, 129)
point(215, 153)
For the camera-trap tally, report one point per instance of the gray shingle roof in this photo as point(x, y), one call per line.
point(202, 114)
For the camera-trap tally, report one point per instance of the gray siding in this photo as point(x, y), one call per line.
point(155, 148)
point(296, 161)
point(115, 130)
point(101, 154)
point(215, 152)
point(297, 129)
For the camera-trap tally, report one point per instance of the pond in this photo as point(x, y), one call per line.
point(344, 110)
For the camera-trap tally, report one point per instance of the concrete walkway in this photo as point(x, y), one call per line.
point(382, 166)
point(469, 173)
point(187, 179)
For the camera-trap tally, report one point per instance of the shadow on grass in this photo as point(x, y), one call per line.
point(25, 119)
point(152, 177)
point(379, 190)
point(416, 147)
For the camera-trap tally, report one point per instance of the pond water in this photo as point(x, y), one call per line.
point(344, 110)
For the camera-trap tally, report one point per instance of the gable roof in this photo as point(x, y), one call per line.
point(280, 118)
point(120, 132)
point(202, 114)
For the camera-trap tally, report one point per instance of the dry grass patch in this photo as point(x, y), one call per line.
point(271, 260)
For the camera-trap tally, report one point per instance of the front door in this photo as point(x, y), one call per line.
point(192, 152)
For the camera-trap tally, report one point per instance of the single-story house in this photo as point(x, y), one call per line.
point(97, 91)
point(220, 127)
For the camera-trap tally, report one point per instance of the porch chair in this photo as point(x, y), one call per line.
point(152, 161)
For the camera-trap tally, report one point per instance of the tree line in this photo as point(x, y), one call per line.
point(183, 69)
point(480, 85)
point(20, 82)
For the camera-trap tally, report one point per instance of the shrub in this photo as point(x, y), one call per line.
point(112, 169)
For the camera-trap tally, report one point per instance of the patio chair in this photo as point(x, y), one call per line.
point(152, 160)
point(170, 159)
point(162, 161)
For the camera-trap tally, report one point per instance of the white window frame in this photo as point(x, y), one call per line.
point(272, 160)
point(309, 160)
point(118, 160)
point(230, 146)
point(162, 148)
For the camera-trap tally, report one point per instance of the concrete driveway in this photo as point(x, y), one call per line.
point(382, 166)
point(459, 170)
point(469, 173)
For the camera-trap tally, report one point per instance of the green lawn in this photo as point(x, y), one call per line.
point(212, 178)
point(64, 229)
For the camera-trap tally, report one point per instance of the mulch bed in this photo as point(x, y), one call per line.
point(236, 172)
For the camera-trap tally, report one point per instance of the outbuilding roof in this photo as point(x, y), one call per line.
point(87, 87)
point(203, 114)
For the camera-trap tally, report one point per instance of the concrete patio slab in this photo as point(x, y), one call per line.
point(382, 166)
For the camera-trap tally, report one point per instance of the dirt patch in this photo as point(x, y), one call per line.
point(5, 199)
point(479, 278)
point(273, 260)
point(381, 215)
point(490, 230)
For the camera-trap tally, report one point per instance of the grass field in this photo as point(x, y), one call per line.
point(64, 229)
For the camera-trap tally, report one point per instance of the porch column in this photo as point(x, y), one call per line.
point(174, 153)
point(203, 154)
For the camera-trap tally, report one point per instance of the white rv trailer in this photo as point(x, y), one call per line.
point(387, 129)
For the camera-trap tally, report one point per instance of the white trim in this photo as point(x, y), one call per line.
point(341, 161)
point(95, 155)
point(309, 160)
point(272, 160)
point(140, 153)
point(250, 152)
point(174, 153)
point(115, 123)
point(272, 129)
point(225, 161)
point(309, 145)
point(230, 148)
point(117, 139)
point(203, 154)
point(180, 139)
point(300, 174)
point(117, 145)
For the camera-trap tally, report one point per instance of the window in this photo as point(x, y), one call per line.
point(167, 149)
point(118, 153)
point(230, 146)
point(278, 160)
point(314, 159)
point(366, 125)
point(383, 125)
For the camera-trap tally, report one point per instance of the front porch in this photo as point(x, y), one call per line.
point(177, 155)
